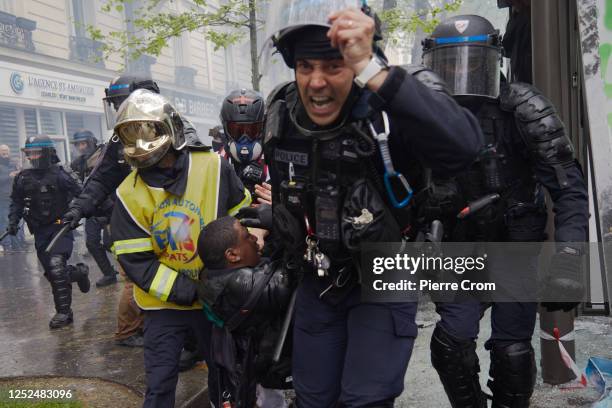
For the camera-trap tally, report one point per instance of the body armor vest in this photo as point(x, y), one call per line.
point(44, 201)
point(503, 168)
point(314, 176)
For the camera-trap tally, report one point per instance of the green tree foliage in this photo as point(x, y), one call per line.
point(406, 18)
point(150, 29)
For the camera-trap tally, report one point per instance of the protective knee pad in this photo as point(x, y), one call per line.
point(456, 362)
point(60, 283)
point(513, 375)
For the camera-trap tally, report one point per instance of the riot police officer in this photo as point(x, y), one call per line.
point(242, 115)
point(89, 152)
point(40, 195)
point(526, 149)
point(347, 123)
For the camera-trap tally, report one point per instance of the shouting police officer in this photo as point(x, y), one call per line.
point(40, 195)
point(347, 124)
point(526, 148)
point(88, 153)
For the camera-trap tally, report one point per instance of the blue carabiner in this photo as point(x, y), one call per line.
point(397, 203)
point(383, 145)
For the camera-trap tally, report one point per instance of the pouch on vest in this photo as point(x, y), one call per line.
point(366, 218)
point(526, 223)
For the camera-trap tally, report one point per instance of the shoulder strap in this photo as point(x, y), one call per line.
point(244, 312)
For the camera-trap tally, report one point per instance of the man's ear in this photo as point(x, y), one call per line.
point(232, 255)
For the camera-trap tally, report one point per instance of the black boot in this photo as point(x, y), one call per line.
point(456, 362)
point(79, 273)
point(107, 280)
point(513, 374)
point(62, 291)
point(60, 320)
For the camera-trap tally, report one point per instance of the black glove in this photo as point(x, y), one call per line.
point(12, 229)
point(257, 217)
point(564, 281)
point(73, 216)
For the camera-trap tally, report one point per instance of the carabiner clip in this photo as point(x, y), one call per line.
point(396, 203)
point(383, 145)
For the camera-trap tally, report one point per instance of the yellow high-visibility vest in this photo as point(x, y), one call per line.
point(174, 224)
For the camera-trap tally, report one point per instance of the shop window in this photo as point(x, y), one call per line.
point(51, 123)
point(9, 131)
point(31, 123)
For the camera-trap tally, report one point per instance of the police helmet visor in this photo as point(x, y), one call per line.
point(284, 16)
point(33, 153)
point(472, 69)
point(252, 130)
point(83, 147)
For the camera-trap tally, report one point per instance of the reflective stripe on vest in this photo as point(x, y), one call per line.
point(173, 223)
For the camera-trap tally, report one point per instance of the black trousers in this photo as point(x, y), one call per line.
point(93, 240)
point(164, 336)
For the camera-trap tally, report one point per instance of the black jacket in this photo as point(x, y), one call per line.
point(226, 291)
point(45, 193)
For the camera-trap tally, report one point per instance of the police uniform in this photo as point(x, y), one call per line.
point(347, 351)
point(155, 225)
point(41, 196)
point(95, 225)
point(526, 150)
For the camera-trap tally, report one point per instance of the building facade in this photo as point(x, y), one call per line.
point(52, 75)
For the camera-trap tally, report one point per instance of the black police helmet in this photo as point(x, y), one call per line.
point(40, 151)
point(122, 86)
point(314, 38)
point(84, 135)
point(241, 106)
point(466, 26)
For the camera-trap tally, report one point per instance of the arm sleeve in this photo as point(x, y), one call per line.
point(70, 184)
point(446, 136)
point(232, 193)
point(571, 203)
point(134, 250)
point(103, 181)
point(17, 203)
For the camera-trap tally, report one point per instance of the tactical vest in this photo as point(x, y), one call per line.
point(44, 201)
point(503, 167)
point(313, 176)
point(174, 223)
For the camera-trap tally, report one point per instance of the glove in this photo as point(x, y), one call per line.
point(12, 229)
point(257, 217)
point(72, 217)
point(564, 282)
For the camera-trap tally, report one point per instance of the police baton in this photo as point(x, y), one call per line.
point(285, 329)
point(4, 235)
point(57, 237)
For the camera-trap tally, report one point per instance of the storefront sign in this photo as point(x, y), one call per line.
point(194, 106)
point(50, 90)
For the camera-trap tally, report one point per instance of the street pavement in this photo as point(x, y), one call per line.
point(85, 349)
